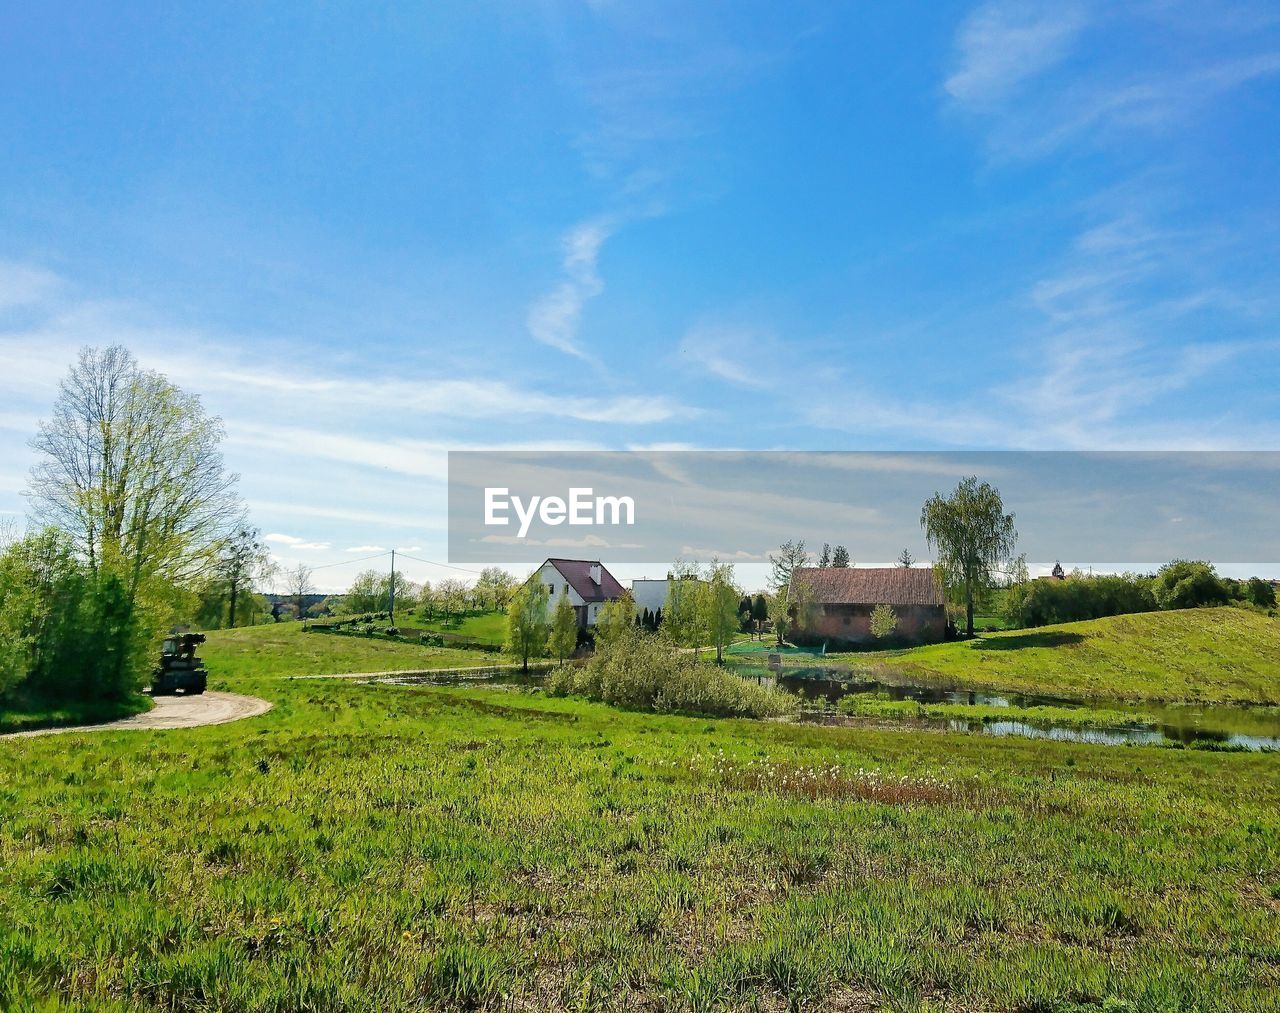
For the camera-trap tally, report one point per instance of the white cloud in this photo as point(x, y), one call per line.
point(25, 284)
point(554, 319)
point(366, 548)
point(1004, 43)
point(293, 541)
point(731, 354)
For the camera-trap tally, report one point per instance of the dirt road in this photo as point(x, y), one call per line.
point(175, 712)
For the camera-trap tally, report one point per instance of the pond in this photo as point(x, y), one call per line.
point(1197, 725)
point(1201, 725)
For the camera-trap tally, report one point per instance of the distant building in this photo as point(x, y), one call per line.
point(841, 599)
point(651, 593)
point(588, 584)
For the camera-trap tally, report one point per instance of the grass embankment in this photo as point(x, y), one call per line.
point(25, 713)
point(394, 848)
point(1224, 655)
point(285, 649)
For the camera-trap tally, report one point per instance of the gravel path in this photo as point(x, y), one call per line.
point(174, 712)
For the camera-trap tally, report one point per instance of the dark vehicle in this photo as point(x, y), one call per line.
point(179, 668)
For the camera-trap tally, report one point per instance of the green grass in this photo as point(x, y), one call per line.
point(396, 848)
point(27, 713)
point(863, 705)
point(1224, 655)
point(285, 649)
point(483, 627)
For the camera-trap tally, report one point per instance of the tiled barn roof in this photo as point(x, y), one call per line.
point(867, 585)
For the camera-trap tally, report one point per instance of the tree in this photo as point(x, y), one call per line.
point(495, 587)
point(791, 555)
point(370, 591)
point(244, 561)
point(906, 560)
point(719, 606)
point(131, 469)
point(759, 611)
point(527, 621)
point(615, 618)
point(679, 611)
point(840, 556)
point(298, 580)
point(564, 628)
point(971, 533)
point(1187, 584)
point(824, 560)
point(451, 596)
point(1260, 592)
point(883, 621)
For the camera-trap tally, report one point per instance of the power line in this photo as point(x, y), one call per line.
point(344, 562)
point(432, 562)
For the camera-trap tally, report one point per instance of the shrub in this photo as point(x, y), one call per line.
point(368, 629)
point(392, 631)
point(1185, 584)
point(1045, 602)
point(431, 639)
point(642, 671)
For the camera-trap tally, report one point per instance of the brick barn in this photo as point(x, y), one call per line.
point(840, 601)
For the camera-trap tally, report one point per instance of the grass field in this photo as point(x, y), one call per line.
point(1225, 655)
point(285, 649)
point(395, 848)
point(483, 627)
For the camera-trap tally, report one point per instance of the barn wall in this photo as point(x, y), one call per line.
point(922, 624)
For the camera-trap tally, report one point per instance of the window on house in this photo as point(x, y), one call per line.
point(551, 589)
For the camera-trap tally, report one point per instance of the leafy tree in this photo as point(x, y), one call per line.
point(840, 556)
point(130, 469)
point(883, 621)
point(527, 621)
point(1260, 592)
point(718, 606)
point(564, 628)
point(972, 534)
point(679, 612)
point(791, 555)
point(615, 618)
point(824, 560)
point(1186, 584)
point(759, 611)
point(495, 587)
point(905, 559)
point(451, 596)
point(370, 591)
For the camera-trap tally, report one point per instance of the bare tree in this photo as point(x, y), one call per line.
point(299, 584)
point(130, 469)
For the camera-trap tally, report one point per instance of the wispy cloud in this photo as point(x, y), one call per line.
point(366, 549)
point(554, 319)
point(1004, 43)
point(731, 354)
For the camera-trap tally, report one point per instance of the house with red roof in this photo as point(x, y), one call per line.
point(839, 601)
point(587, 583)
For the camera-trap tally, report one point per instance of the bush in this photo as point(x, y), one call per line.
point(431, 639)
point(1187, 584)
point(642, 671)
point(1045, 602)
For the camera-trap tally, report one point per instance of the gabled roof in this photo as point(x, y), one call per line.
point(578, 573)
point(867, 585)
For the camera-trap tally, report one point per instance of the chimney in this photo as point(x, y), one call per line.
point(595, 573)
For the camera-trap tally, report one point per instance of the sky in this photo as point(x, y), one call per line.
point(367, 234)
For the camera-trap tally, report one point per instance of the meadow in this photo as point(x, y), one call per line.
point(287, 649)
point(1224, 655)
point(378, 847)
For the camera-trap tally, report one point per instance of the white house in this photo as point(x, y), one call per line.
point(586, 581)
point(651, 594)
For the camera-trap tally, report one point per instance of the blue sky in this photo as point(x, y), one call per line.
point(367, 235)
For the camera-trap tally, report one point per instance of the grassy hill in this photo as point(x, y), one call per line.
point(285, 649)
point(483, 627)
point(1221, 655)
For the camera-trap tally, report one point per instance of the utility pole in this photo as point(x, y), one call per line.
point(393, 587)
